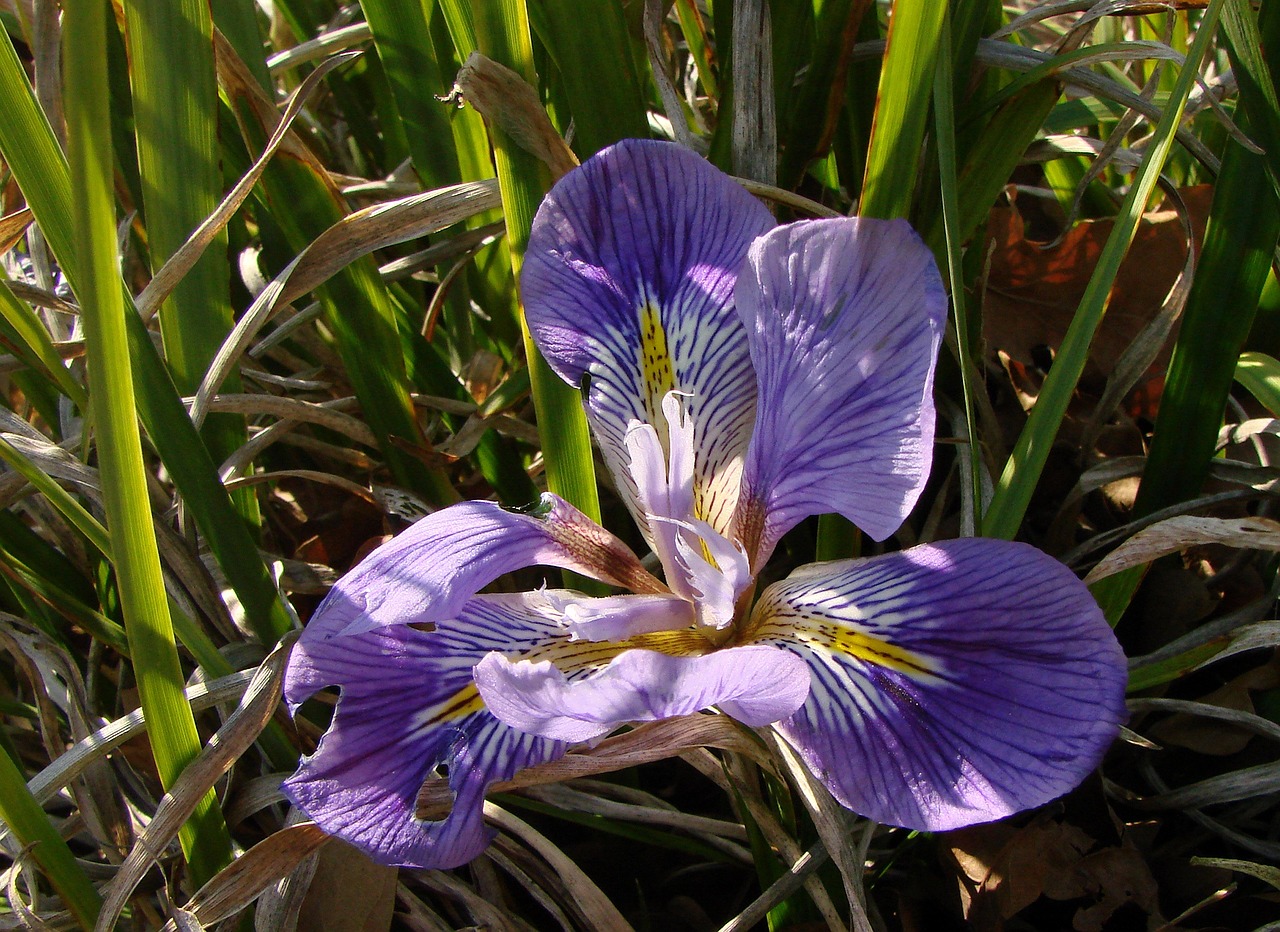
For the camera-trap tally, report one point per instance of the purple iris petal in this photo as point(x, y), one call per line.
point(408, 704)
point(953, 683)
point(756, 685)
point(430, 570)
point(628, 279)
point(843, 318)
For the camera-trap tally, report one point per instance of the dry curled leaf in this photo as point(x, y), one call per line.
point(507, 101)
point(1179, 533)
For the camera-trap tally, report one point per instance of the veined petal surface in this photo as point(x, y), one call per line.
point(428, 572)
point(953, 683)
point(756, 684)
point(408, 705)
point(844, 318)
point(628, 286)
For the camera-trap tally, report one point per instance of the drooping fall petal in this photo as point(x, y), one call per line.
point(427, 573)
point(408, 705)
point(953, 683)
point(844, 318)
point(628, 288)
point(756, 685)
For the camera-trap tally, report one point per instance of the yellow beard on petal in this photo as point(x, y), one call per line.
point(655, 364)
point(785, 623)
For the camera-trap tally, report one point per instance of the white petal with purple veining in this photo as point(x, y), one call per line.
point(843, 318)
point(628, 280)
point(953, 683)
point(426, 573)
point(756, 685)
point(612, 617)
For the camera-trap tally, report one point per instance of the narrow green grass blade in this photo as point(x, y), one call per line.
point(695, 35)
point(359, 310)
point(902, 108)
point(175, 107)
point(59, 497)
point(38, 344)
point(174, 740)
point(1260, 374)
point(29, 824)
point(596, 71)
point(1244, 223)
point(41, 171)
point(1249, 37)
point(402, 35)
point(189, 633)
point(503, 31)
point(56, 587)
point(821, 95)
point(945, 131)
point(1022, 471)
point(992, 159)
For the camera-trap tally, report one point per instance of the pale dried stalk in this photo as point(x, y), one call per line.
point(248, 876)
point(593, 904)
point(645, 743)
point(232, 739)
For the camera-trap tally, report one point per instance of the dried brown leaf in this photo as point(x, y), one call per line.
point(248, 876)
point(349, 893)
point(1179, 533)
point(235, 736)
point(507, 101)
point(642, 745)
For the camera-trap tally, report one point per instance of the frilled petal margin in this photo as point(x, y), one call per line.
point(428, 572)
point(408, 705)
point(843, 318)
point(952, 683)
point(757, 685)
point(628, 279)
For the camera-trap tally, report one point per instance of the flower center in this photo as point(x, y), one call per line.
point(701, 565)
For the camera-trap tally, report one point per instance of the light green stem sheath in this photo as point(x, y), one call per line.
point(29, 824)
point(174, 739)
point(502, 29)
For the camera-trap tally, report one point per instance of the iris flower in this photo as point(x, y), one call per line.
point(739, 376)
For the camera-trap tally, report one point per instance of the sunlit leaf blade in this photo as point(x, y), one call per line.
point(902, 108)
point(503, 32)
point(1022, 470)
point(174, 740)
point(29, 824)
point(38, 165)
point(175, 97)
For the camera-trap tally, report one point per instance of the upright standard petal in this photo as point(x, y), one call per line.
point(428, 572)
point(628, 289)
point(953, 683)
point(756, 684)
point(409, 705)
point(843, 318)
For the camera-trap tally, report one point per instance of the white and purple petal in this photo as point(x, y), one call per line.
point(756, 684)
point(426, 573)
point(844, 318)
point(612, 617)
point(953, 683)
point(628, 290)
point(408, 706)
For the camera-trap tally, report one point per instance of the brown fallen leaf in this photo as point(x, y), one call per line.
point(348, 893)
point(1032, 293)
